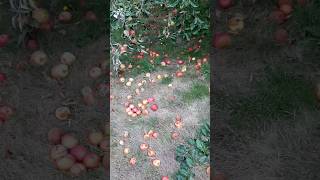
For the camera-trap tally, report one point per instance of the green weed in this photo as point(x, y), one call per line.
point(167, 80)
point(196, 92)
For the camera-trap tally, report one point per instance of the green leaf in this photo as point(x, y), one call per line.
point(174, 4)
point(180, 177)
point(189, 162)
point(184, 172)
point(200, 145)
point(203, 159)
point(191, 142)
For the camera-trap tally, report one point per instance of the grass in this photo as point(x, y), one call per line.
point(280, 95)
point(167, 80)
point(196, 92)
point(307, 29)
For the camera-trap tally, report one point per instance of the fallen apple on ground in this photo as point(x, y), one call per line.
point(4, 40)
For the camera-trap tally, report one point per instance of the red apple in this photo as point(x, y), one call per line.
point(221, 40)
point(278, 16)
point(78, 152)
point(167, 61)
point(65, 16)
point(150, 100)
point(132, 33)
point(179, 74)
point(4, 40)
point(281, 36)
point(180, 62)
point(3, 78)
point(91, 160)
point(165, 178)
point(90, 16)
point(225, 4)
point(286, 8)
point(154, 107)
point(46, 26)
point(32, 44)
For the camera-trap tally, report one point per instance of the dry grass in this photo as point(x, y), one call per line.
point(162, 121)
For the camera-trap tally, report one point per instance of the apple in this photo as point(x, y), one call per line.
point(278, 16)
point(179, 74)
point(208, 171)
point(178, 124)
point(126, 151)
point(60, 71)
point(154, 107)
point(281, 36)
point(180, 62)
point(32, 44)
point(38, 58)
point(3, 78)
point(6, 111)
point(174, 135)
point(67, 58)
point(156, 162)
point(151, 152)
point(286, 8)
point(65, 16)
point(133, 161)
point(91, 160)
point(46, 26)
point(155, 135)
point(225, 4)
point(95, 72)
point(150, 100)
point(221, 40)
point(4, 40)
point(90, 16)
point(165, 178)
point(167, 61)
point(144, 146)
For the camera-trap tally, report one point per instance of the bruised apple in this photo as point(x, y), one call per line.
point(59, 71)
point(65, 163)
point(67, 58)
point(225, 4)
point(221, 40)
point(91, 160)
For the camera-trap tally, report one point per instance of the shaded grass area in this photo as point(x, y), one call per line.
point(279, 95)
point(307, 30)
point(197, 91)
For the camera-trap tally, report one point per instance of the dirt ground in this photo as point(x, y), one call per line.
point(24, 148)
point(162, 121)
point(281, 150)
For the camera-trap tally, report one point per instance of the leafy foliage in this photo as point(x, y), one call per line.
point(195, 153)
